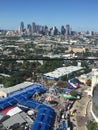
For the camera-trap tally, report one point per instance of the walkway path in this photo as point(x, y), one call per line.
point(80, 118)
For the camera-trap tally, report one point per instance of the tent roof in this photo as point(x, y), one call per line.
point(11, 111)
point(67, 96)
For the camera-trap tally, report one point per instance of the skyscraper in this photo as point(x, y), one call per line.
point(43, 30)
point(38, 28)
point(21, 27)
point(67, 29)
point(54, 31)
point(62, 30)
point(29, 29)
point(33, 27)
point(46, 30)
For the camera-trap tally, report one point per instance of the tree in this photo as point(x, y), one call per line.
point(14, 79)
point(88, 82)
point(62, 84)
point(34, 78)
point(64, 78)
point(92, 125)
point(10, 67)
point(1, 80)
point(50, 65)
point(8, 84)
point(73, 93)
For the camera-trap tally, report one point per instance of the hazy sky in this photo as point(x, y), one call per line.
point(79, 14)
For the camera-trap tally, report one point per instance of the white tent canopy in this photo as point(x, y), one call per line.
point(11, 111)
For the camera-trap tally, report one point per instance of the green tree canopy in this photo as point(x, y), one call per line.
point(73, 93)
point(92, 125)
point(62, 84)
point(50, 65)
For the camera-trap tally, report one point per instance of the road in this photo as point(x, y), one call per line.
point(80, 118)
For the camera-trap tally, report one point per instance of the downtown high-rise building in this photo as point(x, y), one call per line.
point(21, 27)
point(38, 29)
point(33, 27)
point(62, 30)
point(29, 29)
point(67, 29)
point(43, 30)
point(46, 30)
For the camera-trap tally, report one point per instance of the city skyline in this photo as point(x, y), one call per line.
point(80, 15)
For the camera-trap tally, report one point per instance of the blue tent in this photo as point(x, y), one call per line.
point(45, 127)
point(45, 113)
point(62, 125)
point(36, 126)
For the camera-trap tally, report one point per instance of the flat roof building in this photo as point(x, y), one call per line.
point(16, 87)
point(62, 71)
point(18, 118)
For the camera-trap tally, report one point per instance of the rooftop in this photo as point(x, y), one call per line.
point(18, 118)
point(16, 87)
point(59, 72)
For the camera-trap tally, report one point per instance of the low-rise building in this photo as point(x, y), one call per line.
point(85, 77)
point(16, 87)
point(62, 71)
point(75, 49)
point(19, 118)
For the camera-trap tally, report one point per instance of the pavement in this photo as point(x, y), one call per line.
point(80, 118)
